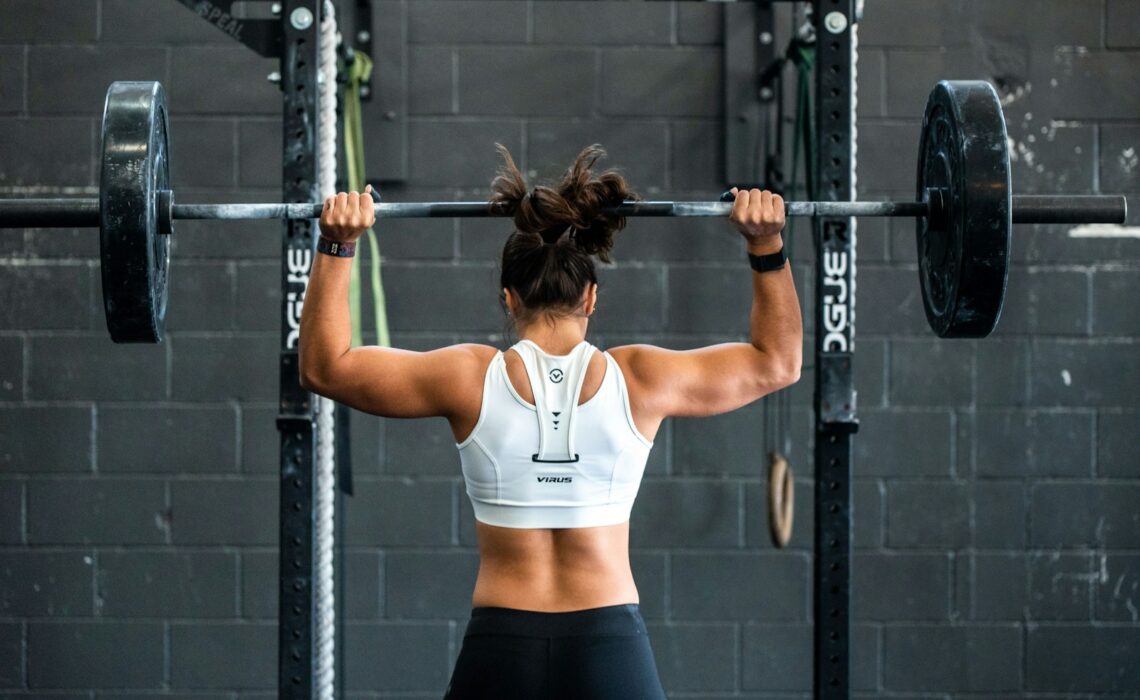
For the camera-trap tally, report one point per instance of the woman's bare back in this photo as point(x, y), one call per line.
point(549, 570)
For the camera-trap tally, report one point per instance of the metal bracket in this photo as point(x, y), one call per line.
point(836, 388)
point(262, 35)
point(750, 67)
point(362, 40)
point(386, 145)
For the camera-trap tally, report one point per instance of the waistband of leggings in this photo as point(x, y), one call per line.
point(612, 620)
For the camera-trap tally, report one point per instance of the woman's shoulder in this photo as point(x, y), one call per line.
point(624, 354)
point(476, 353)
point(463, 367)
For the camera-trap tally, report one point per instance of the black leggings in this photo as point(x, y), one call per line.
point(595, 654)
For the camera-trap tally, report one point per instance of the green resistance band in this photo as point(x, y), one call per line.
point(357, 72)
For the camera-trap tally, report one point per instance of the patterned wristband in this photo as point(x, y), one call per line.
point(337, 249)
point(768, 263)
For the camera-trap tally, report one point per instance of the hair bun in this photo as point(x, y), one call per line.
point(573, 212)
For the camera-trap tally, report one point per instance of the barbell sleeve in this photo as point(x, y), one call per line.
point(1069, 209)
point(49, 213)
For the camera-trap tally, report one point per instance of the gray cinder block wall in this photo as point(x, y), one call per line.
point(997, 485)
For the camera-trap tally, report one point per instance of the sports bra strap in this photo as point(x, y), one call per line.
point(556, 382)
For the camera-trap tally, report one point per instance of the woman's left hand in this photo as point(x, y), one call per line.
point(347, 215)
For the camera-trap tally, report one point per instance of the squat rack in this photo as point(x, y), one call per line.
point(834, 396)
point(752, 64)
point(296, 44)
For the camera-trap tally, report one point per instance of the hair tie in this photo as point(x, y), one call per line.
point(566, 235)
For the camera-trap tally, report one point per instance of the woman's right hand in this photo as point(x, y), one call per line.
point(347, 215)
point(759, 216)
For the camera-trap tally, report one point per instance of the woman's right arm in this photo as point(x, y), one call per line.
point(383, 381)
point(720, 378)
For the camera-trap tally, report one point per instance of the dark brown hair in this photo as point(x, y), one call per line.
point(549, 259)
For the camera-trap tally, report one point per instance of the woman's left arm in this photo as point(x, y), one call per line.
point(383, 381)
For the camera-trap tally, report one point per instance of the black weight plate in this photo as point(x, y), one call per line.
point(134, 255)
point(963, 255)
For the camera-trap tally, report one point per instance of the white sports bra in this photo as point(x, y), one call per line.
point(553, 464)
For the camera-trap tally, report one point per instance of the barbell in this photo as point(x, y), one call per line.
point(964, 210)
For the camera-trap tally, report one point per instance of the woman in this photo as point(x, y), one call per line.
point(553, 436)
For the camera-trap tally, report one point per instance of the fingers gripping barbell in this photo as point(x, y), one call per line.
point(964, 210)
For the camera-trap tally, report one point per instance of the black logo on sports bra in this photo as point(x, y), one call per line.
point(555, 479)
point(556, 375)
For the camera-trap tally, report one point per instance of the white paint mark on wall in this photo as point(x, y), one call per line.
point(1063, 55)
point(1104, 231)
point(42, 190)
point(1016, 94)
point(1129, 160)
point(1066, 378)
point(1119, 594)
point(1020, 153)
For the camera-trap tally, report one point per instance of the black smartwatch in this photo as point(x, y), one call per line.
point(768, 263)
